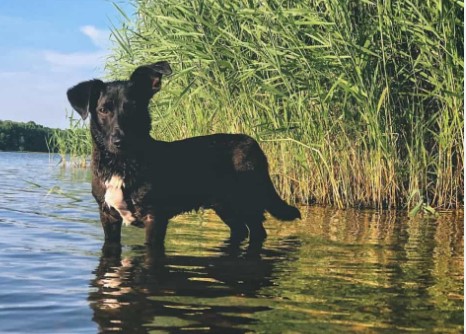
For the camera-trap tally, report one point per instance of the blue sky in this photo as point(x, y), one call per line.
point(48, 46)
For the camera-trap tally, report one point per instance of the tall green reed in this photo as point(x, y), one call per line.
point(74, 144)
point(356, 103)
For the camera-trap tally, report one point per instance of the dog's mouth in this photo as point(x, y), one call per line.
point(116, 149)
point(124, 145)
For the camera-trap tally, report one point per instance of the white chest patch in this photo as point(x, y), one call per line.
point(114, 198)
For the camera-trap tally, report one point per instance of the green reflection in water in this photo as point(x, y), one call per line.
point(332, 272)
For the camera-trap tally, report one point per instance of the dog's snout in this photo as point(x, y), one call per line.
point(117, 137)
point(116, 141)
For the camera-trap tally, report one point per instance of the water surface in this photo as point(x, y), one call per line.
point(333, 272)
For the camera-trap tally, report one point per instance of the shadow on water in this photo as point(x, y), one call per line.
point(421, 255)
point(153, 291)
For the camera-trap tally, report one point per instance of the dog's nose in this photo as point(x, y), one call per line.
point(116, 138)
point(116, 141)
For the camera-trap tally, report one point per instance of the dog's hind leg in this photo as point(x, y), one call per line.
point(254, 222)
point(156, 229)
point(238, 230)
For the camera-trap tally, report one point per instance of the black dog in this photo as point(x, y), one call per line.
point(145, 182)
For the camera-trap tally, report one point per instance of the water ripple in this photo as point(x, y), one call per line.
point(333, 272)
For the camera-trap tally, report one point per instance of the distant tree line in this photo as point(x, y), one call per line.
point(17, 136)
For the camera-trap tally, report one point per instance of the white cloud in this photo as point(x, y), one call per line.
point(60, 60)
point(99, 37)
point(33, 82)
point(38, 96)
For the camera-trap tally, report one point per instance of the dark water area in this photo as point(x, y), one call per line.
point(335, 271)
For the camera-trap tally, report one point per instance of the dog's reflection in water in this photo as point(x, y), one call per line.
point(152, 291)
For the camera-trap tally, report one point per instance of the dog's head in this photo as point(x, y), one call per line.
point(119, 109)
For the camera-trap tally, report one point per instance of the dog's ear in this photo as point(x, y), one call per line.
point(83, 97)
point(148, 78)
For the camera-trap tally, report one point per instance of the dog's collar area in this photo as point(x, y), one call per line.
point(115, 181)
point(114, 198)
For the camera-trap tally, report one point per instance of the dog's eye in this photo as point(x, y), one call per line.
point(103, 110)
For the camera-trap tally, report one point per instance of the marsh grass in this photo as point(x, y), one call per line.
point(73, 144)
point(356, 103)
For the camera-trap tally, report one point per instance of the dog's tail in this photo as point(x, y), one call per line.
point(277, 207)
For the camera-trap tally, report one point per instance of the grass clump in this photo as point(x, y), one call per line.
point(356, 103)
point(74, 145)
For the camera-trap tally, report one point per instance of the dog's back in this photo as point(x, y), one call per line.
point(226, 172)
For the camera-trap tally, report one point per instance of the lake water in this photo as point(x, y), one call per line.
point(334, 271)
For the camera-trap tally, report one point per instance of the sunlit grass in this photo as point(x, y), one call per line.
point(74, 144)
point(355, 103)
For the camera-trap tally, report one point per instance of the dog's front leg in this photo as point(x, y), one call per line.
point(111, 223)
point(156, 228)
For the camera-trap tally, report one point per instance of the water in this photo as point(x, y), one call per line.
point(333, 272)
